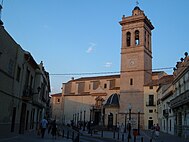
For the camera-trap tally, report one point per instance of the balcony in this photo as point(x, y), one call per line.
point(180, 100)
point(150, 103)
point(166, 113)
point(27, 94)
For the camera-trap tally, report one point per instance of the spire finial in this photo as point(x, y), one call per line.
point(137, 3)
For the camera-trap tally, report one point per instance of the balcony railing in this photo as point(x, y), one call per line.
point(180, 100)
point(149, 103)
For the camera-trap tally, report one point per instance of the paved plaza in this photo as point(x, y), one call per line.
point(145, 136)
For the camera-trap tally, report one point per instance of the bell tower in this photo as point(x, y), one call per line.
point(136, 60)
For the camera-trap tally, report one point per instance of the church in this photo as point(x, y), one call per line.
point(126, 98)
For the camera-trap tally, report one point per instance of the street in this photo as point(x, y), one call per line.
point(85, 137)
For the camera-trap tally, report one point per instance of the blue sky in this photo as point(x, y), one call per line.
point(76, 36)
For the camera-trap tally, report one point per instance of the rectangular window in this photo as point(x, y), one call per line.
point(10, 66)
point(150, 111)
point(131, 81)
point(18, 73)
point(81, 87)
point(27, 78)
point(151, 100)
point(151, 87)
point(112, 83)
point(67, 88)
point(95, 84)
point(58, 100)
point(105, 85)
point(31, 81)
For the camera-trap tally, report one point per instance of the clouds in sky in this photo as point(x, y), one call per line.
point(91, 47)
point(108, 64)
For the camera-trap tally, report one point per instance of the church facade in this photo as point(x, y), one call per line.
point(114, 99)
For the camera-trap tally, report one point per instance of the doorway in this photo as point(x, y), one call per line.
point(150, 124)
point(22, 118)
point(110, 121)
point(13, 119)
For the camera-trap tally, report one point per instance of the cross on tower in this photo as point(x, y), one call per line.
point(137, 3)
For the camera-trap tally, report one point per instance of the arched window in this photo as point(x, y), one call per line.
point(128, 39)
point(137, 41)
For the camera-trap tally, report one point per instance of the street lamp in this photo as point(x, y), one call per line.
point(77, 119)
point(125, 121)
point(138, 121)
point(80, 119)
point(129, 124)
point(89, 123)
point(116, 121)
point(84, 120)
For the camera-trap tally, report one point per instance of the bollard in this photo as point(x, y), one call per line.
point(67, 134)
point(128, 139)
point(102, 134)
point(78, 138)
point(63, 133)
point(91, 132)
point(73, 135)
point(123, 137)
point(141, 139)
point(118, 135)
point(134, 138)
point(114, 135)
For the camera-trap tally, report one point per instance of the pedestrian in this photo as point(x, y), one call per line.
point(54, 129)
point(122, 128)
point(49, 126)
point(153, 130)
point(44, 124)
point(157, 129)
point(117, 127)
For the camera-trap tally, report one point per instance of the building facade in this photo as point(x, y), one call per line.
point(164, 95)
point(24, 87)
point(84, 99)
point(180, 103)
point(57, 107)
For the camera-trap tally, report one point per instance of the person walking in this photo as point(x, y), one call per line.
point(153, 131)
point(54, 129)
point(122, 128)
point(44, 124)
point(157, 129)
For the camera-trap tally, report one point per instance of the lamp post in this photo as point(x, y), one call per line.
point(89, 123)
point(116, 121)
point(138, 121)
point(77, 119)
point(129, 125)
point(84, 120)
point(125, 122)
